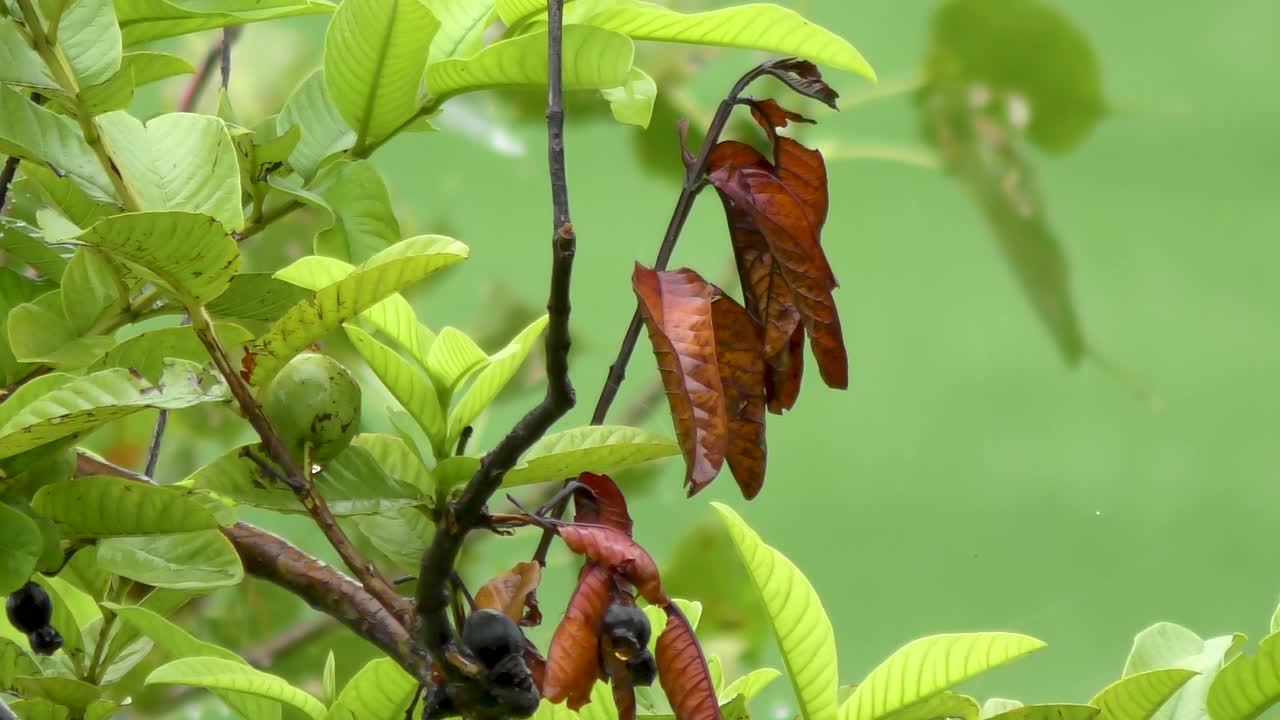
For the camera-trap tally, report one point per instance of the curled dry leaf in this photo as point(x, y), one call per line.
point(537, 664)
point(682, 670)
point(739, 351)
point(512, 593)
point(804, 77)
point(574, 656)
point(613, 549)
point(676, 306)
point(782, 379)
point(603, 504)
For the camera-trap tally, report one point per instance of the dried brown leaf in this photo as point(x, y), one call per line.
point(804, 77)
point(573, 659)
point(614, 549)
point(682, 670)
point(603, 505)
point(739, 351)
point(512, 592)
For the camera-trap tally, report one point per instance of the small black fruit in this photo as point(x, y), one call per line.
point(492, 636)
point(642, 668)
point(628, 627)
point(29, 608)
point(45, 641)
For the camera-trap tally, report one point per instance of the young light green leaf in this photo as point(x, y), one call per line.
point(497, 372)
point(100, 506)
point(397, 460)
point(597, 448)
point(363, 223)
point(1139, 696)
point(462, 24)
point(394, 316)
point(1275, 621)
point(997, 706)
point(179, 161)
point(382, 690)
point(1049, 712)
point(374, 53)
point(101, 397)
point(594, 59)
point(184, 561)
point(136, 69)
point(91, 287)
point(39, 332)
point(410, 387)
point(1248, 685)
point(452, 358)
point(221, 674)
point(939, 707)
point(750, 685)
point(20, 546)
point(930, 665)
point(329, 680)
point(146, 353)
point(388, 272)
point(511, 12)
point(757, 26)
point(632, 102)
point(799, 621)
point(1166, 645)
point(324, 132)
point(146, 20)
point(196, 270)
point(19, 63)
point(352, 483)
point(90, 39)
point(68, 692)
point(43, 136)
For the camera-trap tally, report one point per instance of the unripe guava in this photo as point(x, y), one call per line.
point(314, 400)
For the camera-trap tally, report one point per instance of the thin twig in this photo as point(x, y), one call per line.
point(220, 56)
point(693, 184)
point(466, 514)
point(6, 178)
point(157, 436)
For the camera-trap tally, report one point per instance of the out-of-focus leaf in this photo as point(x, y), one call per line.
point(498, 371)
point(676, 306)
point(382, 690)
point(101, 506)
point(1049, 712)
point(573, 657)
point(146, 20)
point(756, 26)
point(39, 709)
point(14, 661)
point(998, 706)
point(632, 102)
point(940, 707)
point(594, 59)
point(1139, 696)
point(704, 563)
point(324, 132)
point(69, 692)
point(1166, 645)
point(221, 674)
point(386, 273)
point(1248, 685)
point(598, 448)
point(184, 561)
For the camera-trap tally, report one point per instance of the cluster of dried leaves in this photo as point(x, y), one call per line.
point(724, 364)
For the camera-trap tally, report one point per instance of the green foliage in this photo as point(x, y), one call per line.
point(1248, 685)
point(1139, 696)
point(21, 542)
point(1166, 645)
point(382, 690)
point(114, 507)
point(594, 59)
point(221, 674)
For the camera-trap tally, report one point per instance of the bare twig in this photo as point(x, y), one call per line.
point(6, 178)
point(157, 436)
point(438, 637)
point(218, 56)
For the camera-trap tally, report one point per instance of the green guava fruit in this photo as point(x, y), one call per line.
point(314, 401)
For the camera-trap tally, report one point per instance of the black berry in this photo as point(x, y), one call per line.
point(45, 641)
point(628, 627)
point(492, 636)
point(29, 608)
point(642, 668)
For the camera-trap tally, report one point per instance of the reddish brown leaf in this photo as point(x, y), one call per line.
point(739, 350)
point(803, 77)
point(612, 548)
point(574, 656)
point(603, 505)
point(624, 693)
point(682, 670)
point(676, 306)
point(782, 378)
point(801, 169)
point(537, 664)
point(512, 591)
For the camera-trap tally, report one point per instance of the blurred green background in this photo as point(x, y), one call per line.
point(968, 479)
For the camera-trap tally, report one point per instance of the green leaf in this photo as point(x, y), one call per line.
point(146, 353)
point(222, 674)
point(497, 372)
point(15, 290)
point(330, 680)
point(1166, 645)
point(136, 69)
point(174, 643)
point(43, 136)
point(410, 387)
point(511, 12)
point(597, 448)
point(352, 483)
point(39, 709)
point(799, 621)
point(39, 332)
point(374, 53)
point(594, 59)
point(394, 317)
point(452, 358)
point(1139, 696)
point(256, 296)
point(14, 662)
point(74, 694)
point(751, 684)
point(1049, 712)
point(178, 161)
point(90, 39)
point(1025, 47)
point(930, 665)
point(23, 243)
point(100, 506)
point(183, 561)
point(382, 690)
point(454, 470)
point(196, 270)
point(632, 102)
point(1248, 685)
point(73, 610)
point(397, 460)
point(91, 287)
point(388, 272)
point(67, 195)
point(146, 20)
point(363, 223)
point(758, 26)
point(324, 132)
point(462, 24)
point(19, 64)
point(938, 707)
point(402, 534)
point(1275, 620)
point(20, 546)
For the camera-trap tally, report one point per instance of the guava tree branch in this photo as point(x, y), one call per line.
point(468, 512)
point(271, 558)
